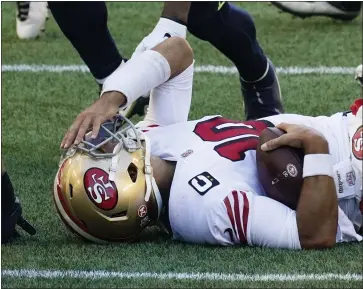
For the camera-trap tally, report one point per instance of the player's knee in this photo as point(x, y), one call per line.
point(182, 51)
point(186, 50)
point(177, 52)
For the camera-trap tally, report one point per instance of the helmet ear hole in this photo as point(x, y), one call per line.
point(71, 191)
point(132, 170)
point(120, 214)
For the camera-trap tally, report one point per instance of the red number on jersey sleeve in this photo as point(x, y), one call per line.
point(245, 135)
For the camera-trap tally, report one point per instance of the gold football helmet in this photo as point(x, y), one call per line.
point(104, 189)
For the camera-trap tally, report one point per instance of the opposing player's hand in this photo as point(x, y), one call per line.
point(101, 110)
point(298, 136)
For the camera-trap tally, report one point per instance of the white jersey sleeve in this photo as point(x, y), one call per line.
point(244, 217)
point(261, 221)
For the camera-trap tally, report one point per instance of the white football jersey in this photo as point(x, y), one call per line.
point(216, 197)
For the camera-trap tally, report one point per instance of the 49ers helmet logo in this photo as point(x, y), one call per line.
point(102, 192)
point(357, 143)
point(142, 211)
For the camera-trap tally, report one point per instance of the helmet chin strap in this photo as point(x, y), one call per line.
point(114, 162)
point(151, 185)
point(157, 194)
point(150, 180)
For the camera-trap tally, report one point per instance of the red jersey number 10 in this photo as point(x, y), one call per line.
point(243, 136)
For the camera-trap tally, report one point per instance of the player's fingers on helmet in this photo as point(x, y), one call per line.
point(63, 143)
point(72, 132)
point(96, 126)
point(82, 129)
point(64, 140)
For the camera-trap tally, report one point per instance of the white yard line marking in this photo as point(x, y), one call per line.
point(51, 274)
point(292, 70)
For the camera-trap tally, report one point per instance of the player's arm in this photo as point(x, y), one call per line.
point(247, 218)
point(138, 76)
point(317, 211)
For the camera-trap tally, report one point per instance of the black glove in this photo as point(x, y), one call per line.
point(11, 212)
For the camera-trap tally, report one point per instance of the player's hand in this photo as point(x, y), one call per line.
point(101, 110)
point(164, 29)
point(298, 136)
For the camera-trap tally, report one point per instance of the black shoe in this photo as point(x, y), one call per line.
point(262, 99)
point(336, 10)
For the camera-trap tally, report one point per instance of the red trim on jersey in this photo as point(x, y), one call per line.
point(152, 125)
point(237, 215)
point(356, 105)
point(246, 211)
point(227, 203)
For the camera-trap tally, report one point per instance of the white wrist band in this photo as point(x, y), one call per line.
point(318, 165)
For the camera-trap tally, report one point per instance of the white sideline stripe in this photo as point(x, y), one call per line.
point(292, 70)
point(51, 274)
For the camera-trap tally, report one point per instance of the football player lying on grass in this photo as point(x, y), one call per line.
point(200, 177)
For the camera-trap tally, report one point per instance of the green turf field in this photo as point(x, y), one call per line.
point(37, 108)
